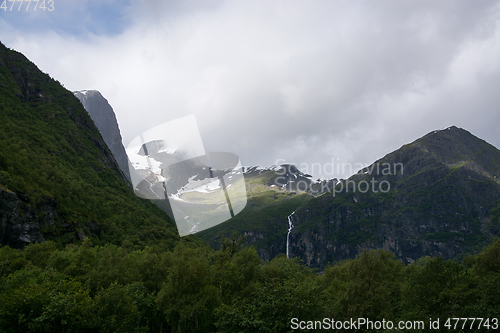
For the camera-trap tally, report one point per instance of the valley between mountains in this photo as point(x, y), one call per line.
point(439, 195)
point(436, 196)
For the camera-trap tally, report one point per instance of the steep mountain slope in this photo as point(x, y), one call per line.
point(442, 198)
point(104, 118)
point(439, 195)
point(58, 179)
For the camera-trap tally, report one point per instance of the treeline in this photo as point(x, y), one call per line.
point(85, 288)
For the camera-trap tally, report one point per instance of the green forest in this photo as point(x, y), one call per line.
point(85, 288)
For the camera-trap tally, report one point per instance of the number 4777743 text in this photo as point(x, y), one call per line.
point(25, 5)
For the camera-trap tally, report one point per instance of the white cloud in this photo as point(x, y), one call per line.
point(294, 80)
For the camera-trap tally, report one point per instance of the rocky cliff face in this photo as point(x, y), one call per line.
point(24, 221)
point(16, 217)
point(104, 118)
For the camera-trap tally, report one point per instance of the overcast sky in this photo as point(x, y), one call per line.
point(303, 82)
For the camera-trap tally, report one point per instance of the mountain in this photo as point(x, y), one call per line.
point(439, 195)
point(104, 118)
point(58, 178)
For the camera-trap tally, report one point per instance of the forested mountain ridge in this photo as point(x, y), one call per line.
point(58, 179)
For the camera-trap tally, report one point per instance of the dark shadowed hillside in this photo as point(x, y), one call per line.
point(442, 198)
point(58, 179)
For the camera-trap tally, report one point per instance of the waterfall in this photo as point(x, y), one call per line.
point(290, 227)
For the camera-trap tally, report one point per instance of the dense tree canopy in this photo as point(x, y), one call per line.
point(85, 288)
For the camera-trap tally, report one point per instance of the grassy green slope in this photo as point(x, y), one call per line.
point(264, 215)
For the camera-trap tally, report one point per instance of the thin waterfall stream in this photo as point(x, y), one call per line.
point(290, 227)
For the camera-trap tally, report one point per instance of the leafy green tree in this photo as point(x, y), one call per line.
point(235, 267)
point(430, 289)
point(366, 287)
point(486, 269)
point(116, 310)
point(149, 266)
point(39, 253)
point(189, 296)
point(284, 290)
point(150, 319)
point(11, 260)
point(34, 300)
